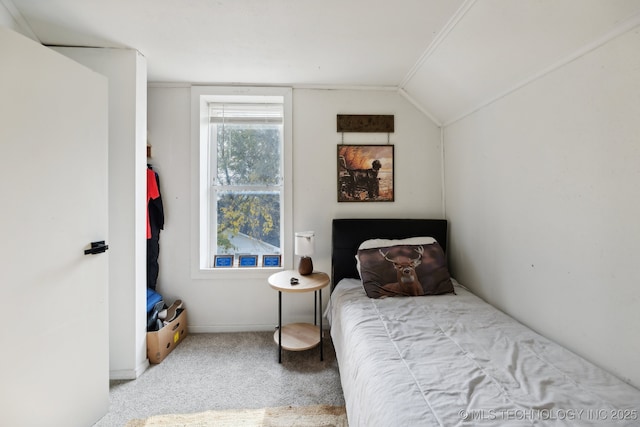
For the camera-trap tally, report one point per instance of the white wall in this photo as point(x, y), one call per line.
point(11, 18)
point(231, 304)
point(543, 194)
point(6, 19)
point(126, 70)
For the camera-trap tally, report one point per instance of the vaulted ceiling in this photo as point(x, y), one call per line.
point(448, 57)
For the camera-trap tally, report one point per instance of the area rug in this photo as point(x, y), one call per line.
point(285, 416)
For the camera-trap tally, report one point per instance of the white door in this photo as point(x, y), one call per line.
point(54, 351)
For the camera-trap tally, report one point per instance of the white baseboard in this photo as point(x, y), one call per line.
point(238, 328)
point(229, 328)
point(129, 374)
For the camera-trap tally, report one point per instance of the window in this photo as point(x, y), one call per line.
point(243, 135)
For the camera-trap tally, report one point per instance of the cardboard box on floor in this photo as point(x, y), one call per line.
point(162, 342)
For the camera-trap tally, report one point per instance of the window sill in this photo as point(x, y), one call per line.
point(235, 273)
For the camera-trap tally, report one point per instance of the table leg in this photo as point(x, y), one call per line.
point(321, 346)
point(279, 327)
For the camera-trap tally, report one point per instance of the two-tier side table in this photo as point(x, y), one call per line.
point(299, 336)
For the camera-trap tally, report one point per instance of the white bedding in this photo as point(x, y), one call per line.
point(452, 360)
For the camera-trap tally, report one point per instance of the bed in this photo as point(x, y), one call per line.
point(450, 359)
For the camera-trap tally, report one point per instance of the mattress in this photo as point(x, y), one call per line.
point(454, 360)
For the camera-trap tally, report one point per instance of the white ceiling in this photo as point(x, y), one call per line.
point(447, 56)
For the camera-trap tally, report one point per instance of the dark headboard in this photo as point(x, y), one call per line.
point(347, 234)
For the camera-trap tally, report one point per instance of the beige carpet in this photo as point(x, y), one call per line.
point(286, 416)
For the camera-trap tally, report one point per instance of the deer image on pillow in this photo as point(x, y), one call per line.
point(404, 270)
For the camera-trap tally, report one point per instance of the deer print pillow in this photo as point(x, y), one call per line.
point(404, 270)
point(381, 243)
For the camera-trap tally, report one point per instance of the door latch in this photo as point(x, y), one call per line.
point(96, 248)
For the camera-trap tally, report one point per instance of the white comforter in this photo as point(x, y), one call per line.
point(453, 360)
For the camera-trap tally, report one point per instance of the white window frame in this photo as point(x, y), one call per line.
point(201, 184)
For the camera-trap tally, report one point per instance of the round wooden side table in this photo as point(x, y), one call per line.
point(299, 336)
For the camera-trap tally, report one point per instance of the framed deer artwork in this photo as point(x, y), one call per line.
point(365, 173)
